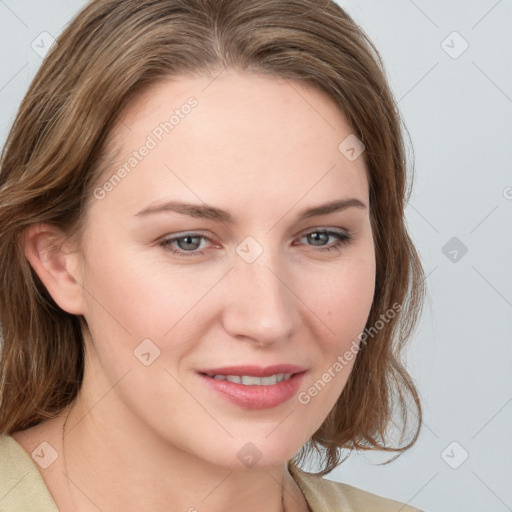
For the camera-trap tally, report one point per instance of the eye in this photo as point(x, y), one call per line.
point(188, 244)
point(322, 235)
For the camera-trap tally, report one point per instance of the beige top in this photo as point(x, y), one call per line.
point(22, 489)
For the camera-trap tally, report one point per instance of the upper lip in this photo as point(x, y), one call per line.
point(255, 371)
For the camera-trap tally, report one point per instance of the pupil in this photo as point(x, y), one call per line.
point(318, 236)
point(186, 241)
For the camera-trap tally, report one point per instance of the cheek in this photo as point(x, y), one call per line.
point(130, 293)
point(343, 297)
point(342, 304)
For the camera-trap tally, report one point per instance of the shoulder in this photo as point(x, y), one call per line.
point(325, 495)
point(21, 485)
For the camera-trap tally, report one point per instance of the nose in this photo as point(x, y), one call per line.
point(260, 305)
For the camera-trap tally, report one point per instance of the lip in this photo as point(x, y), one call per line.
point(255, 397)
point(255, 371)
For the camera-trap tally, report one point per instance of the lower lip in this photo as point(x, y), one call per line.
point(256, 397)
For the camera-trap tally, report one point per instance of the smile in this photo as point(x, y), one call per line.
point(250, 380)
point(254, 387)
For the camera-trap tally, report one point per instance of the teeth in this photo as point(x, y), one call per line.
point(249, 380)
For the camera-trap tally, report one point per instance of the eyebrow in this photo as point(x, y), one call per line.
point(204, 211)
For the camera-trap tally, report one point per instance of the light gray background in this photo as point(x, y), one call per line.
point(458, 111)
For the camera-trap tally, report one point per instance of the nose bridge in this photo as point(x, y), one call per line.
point(261, 305)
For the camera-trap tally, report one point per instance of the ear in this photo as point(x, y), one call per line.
point(57, 264)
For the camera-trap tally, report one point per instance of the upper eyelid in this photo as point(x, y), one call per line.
point(308, 231)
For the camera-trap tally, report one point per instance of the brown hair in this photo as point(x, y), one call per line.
point(108, 55)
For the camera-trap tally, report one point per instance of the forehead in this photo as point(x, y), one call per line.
point(238, 135)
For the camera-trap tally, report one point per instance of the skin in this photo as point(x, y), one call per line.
point(263, 149)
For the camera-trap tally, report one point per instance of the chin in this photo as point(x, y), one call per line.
point(256, 454)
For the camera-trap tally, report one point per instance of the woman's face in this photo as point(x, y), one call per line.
point(239, 277)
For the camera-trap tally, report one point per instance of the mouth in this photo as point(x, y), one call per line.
point(253, 387)
point(251, 375)
point(251, 380)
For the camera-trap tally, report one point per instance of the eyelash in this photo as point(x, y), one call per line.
point(342, 240)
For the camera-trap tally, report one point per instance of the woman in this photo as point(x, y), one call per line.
point(207, 276)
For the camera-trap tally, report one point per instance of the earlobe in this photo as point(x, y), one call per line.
point(50, 256)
